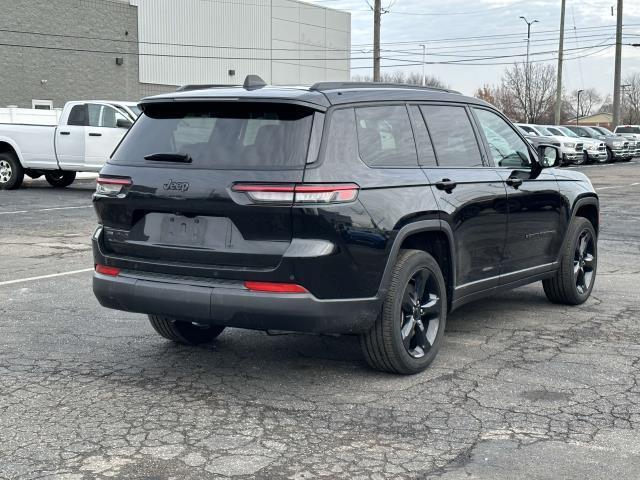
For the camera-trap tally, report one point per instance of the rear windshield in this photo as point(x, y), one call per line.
point(220, 135)
point(628, 130)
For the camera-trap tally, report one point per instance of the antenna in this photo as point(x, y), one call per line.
point(253, 82)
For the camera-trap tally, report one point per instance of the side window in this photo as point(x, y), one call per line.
point(94, 114)
point(109, 117)
point(78, 116)
point(453, 137)
point(507, 148)
point(342, 145)
point(385, 138)
point(426, 155)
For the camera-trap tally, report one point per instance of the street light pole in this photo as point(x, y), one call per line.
point(578, 107)
point(527, 100)
point(424, 55)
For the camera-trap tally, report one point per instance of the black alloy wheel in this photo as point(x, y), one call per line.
point(572, 283)
point(409, 331)
point(420, 313)
point(584, 261)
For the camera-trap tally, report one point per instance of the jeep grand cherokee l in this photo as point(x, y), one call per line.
point(364, 209)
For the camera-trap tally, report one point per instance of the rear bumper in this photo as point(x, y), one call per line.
point(230, 304)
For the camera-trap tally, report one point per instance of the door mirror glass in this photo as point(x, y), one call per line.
point(124, 123)
point(548, 156)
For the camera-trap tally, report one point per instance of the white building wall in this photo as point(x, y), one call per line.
point(283, 41)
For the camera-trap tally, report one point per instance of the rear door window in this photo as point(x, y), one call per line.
point(385, 138)
point(453, 137)
point(220, 135)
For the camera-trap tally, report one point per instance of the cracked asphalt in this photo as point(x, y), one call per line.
point(521, 389)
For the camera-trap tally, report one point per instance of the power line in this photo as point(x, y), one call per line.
point(480, 37)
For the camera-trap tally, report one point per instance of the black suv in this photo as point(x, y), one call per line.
point(365, 209)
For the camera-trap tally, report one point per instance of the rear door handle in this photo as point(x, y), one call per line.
point(514, 182)
point(93, 134)
point(446, 184)
point(65, 133)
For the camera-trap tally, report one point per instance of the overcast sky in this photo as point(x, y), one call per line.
point(440, 25)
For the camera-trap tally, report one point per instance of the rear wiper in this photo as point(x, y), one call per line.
point(169, 157)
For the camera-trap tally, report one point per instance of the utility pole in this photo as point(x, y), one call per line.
point(618, 68)
point(377, 13)
point(527, 74)
point(578, 107)
point(424, 55)
point(560, 52)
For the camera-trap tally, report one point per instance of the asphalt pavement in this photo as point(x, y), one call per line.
point(521, 389)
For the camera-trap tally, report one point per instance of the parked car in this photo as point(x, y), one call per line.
point(571, 150)
point(81, 141)
point(617, 148)
point(594, 150)
point(625, 130)
point(608, 133)
point(352, 208)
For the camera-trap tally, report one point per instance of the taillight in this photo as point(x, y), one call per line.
point(110, 271)
point(299, 194)
point(111, 186)
point(271, 287)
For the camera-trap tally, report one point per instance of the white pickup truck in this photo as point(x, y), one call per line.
point(82, 141)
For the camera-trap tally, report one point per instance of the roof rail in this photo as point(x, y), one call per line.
point(322, 86)
point(188, 88)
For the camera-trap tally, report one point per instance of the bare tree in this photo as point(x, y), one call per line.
point(537, 103)
point(631, 100)
point(413, 78)
point(589, 99)
point(607, 105)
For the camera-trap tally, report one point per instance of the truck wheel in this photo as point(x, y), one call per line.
point(573, 282)
point(185, 332)
point(408, 333)
point(582, 159)
point(11, 172)
point(60, 178)
point(609, 156)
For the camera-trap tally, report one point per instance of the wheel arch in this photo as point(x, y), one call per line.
point(9, 146)
point(589, 208)
point(432, 236)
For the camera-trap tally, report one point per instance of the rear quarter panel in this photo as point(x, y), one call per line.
point(32, 143)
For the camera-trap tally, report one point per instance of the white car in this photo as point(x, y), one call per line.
point(572, 151)
point(82, 141)
point(594, 150)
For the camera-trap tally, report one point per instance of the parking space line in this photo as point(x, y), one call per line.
point(617, 186)
point(45, 209)
point(43, 277)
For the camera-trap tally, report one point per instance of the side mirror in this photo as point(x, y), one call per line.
point(548, 156)
point(124, 123)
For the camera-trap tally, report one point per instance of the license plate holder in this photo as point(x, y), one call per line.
point(184, 231)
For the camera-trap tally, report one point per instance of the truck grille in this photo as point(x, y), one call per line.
point(579, 147)
point(602, 147)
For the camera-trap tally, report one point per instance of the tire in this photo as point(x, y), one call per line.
point(581, 160)
point(60, 178)
point(11, 172)
point(610, 158)
point(184, 332)
point(573, 282)
point(383, 346)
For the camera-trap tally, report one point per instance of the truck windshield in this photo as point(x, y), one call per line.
point(219, 135)
point(567, 132)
